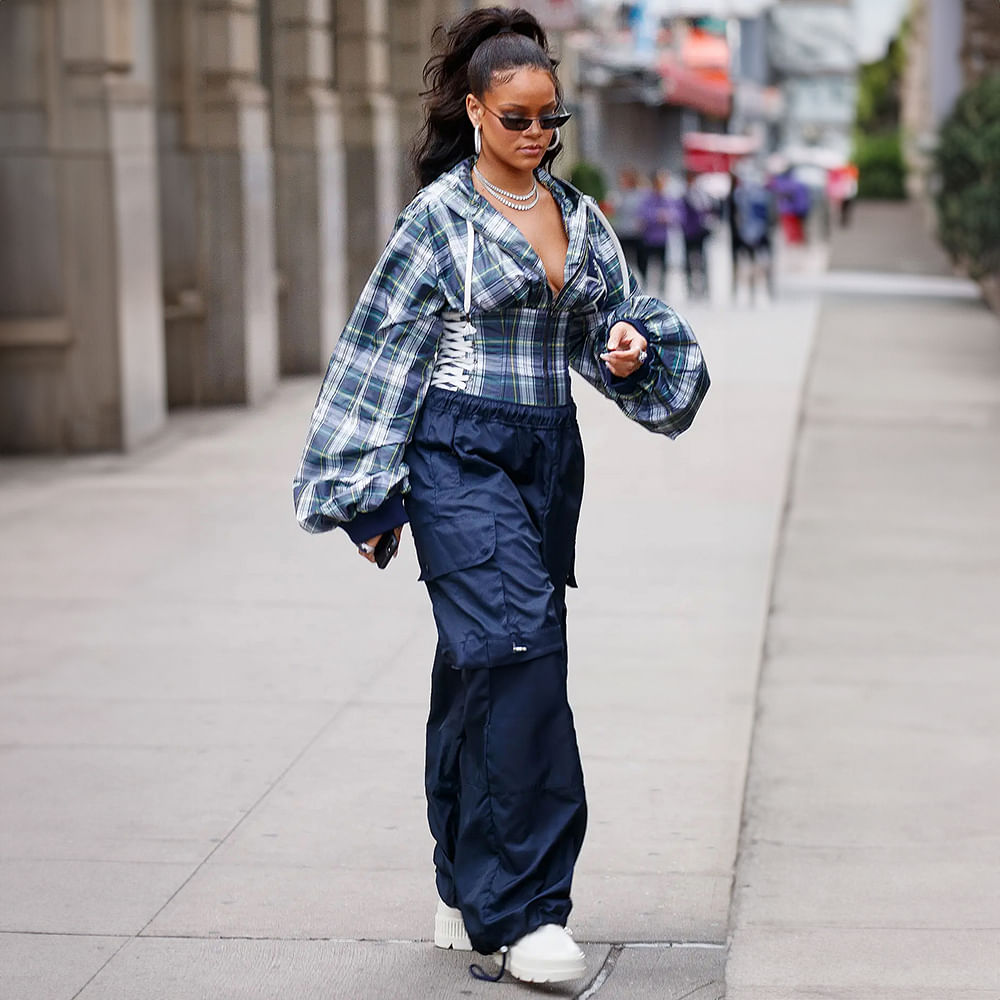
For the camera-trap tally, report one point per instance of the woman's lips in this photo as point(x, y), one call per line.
point(531, 150)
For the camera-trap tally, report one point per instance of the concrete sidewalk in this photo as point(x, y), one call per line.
point(870, 856)
point(211, 724)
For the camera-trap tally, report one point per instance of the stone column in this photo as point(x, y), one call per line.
point(371, 133)
point(81, 348)
point(411, 25)
point(309, 185)
point(932, 80)
point(218, 213)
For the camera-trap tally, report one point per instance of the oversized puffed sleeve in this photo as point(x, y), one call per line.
point(666, 391)
point(352, 464)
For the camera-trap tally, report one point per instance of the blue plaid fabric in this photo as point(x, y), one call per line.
point(525, 341)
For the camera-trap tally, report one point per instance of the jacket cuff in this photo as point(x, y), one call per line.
point(391, 514)
point(630, 383)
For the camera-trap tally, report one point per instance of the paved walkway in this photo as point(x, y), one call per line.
point(870, 857)
point(211, 723)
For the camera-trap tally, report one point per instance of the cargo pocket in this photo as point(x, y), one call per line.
point(466, 590)
point(447, 546)
point(458, 563)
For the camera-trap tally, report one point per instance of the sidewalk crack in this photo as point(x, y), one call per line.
point(603, 974)
point(699, 988)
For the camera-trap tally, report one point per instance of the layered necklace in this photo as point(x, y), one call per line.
point(518, 202)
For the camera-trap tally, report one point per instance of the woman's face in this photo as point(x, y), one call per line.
point(528, 93)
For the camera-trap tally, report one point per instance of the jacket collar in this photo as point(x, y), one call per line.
point(456, 191)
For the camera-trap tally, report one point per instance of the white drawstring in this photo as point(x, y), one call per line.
point(468, 267)
point(455, 357)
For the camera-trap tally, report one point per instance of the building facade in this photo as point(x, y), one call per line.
point(191, 193)
point(951, 44)
point(813, 56)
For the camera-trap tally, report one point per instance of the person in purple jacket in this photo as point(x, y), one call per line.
point(658, 212)
point(794, 203)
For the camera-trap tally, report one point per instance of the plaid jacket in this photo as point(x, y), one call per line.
point(353, 464)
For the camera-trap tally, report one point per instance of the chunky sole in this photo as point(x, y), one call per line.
point(449, 929)
point(544, 972)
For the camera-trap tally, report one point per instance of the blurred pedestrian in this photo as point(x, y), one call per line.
point(842, 189)
point(794, 203)
point(626, 214)
point(698, 214)
point(450, 387)
point(659, 212)
point(751, 209)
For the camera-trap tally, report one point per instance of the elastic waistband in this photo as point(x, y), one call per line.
point(465, 404)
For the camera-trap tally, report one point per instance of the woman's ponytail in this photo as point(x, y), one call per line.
point(472, 50)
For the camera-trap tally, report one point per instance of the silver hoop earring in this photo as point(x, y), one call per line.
point(477, 139)
point(556, 139)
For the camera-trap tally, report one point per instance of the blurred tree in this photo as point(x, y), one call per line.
point(881, 168)
point(878, 148)
point(967, 164)
point(879, 88)
point(590, 180)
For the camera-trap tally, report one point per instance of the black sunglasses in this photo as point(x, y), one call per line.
point(519, 123)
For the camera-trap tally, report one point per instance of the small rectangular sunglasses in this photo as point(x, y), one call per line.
point(519, 123)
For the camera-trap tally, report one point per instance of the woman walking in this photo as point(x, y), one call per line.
point(447, 405)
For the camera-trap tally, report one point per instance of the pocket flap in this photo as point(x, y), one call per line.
point(444, 546)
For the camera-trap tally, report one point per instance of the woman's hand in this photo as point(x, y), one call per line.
point(372, 542)
point(626, 350)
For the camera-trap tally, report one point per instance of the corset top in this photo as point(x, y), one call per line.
point(517, 355)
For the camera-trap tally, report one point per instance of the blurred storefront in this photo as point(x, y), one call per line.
point(646, 79)
point(655, 71)
point(813, 54)
point(180, 181)
point(758, 104)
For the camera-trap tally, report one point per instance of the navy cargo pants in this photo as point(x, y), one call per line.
point(495, 498)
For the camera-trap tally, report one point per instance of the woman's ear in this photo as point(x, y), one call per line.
point(473, 109)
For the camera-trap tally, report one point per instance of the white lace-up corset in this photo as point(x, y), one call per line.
point(456, 357)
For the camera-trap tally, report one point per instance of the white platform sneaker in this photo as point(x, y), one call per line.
point(546, 955)
point(449, 928)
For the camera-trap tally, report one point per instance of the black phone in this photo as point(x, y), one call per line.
point(386, 548)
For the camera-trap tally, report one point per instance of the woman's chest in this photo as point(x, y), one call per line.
point(494, 266)
point(546, 236)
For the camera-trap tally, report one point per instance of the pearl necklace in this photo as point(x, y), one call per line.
point(519, 202)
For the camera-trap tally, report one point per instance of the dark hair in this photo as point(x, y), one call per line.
point(474, 50)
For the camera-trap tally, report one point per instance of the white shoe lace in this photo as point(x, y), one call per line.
point(455, 355)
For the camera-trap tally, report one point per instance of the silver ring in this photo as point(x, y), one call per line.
point(365, 549)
